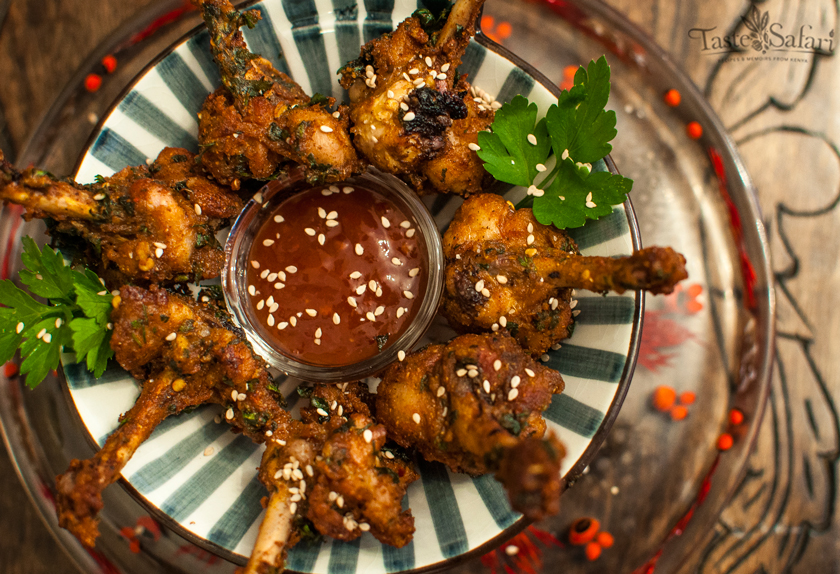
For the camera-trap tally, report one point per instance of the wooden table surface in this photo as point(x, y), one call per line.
point(784, 115)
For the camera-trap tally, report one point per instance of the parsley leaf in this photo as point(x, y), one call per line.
point(575, 133)
point(77, 318)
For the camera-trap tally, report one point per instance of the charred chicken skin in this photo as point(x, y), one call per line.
point(475, 404)
point(152, 224)
point(261, 120)
point(411, 113)
point(505, 270)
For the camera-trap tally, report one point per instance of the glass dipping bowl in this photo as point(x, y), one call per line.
point(235, 275)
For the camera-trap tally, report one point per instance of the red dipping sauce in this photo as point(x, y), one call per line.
point(335, 275)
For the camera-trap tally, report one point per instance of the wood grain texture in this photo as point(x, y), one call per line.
point(785, 119)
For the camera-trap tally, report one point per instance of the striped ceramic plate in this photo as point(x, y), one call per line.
point(201, 479)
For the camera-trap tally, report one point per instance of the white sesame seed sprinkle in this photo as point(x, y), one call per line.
point(494, 327)
point(368, 435)
point(408, 294)
point(279, 219)
point(401, 355)
point(282, 325)
point(270, 320)
point(416, 418)
point(361, 289)
point(279, 285)
point(396, 261)
point(540, 167)
point(514, 381)
point(473, 146)
point(311, 312)
point(255, 264)
point(497, 364)
point(309, 231)
point(404, 106)
point(19, 328)
point(400, 312)
point(229, 414)
point(409, 116)
point(293, 321)
point(252, 290)
point(530, 373)
point(441, 76)
point(326, 129)
point(486, 386)
point(379, 310)
point(409, 233)
point(359, 249)
point(352, 302)
point(472, 373)
point(318, 333)
point(268, 242)
point(530, 239)
point(428, 61)
point(331, 223)
point(479, 285)
point(336, 319)
point(414, 272)
point(370, 316)
point(485, 292)
point(355, 274)
point(47, 338)
point(445, 67)
point(461, 372)
point(171, 337)
point(322, 412)
point(532, 139)
point(158, 252)
point(348, 189)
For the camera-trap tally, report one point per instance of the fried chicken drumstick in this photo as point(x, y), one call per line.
point(506, 270)
point(187, 354)
point(475, 404)
point(152, 224)
point(411, 117)
point(261, 119)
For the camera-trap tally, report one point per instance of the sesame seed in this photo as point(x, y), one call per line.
point(318, 333)
point(497, 364)
point(472, 373)
point(278, 285)
point(270, 320)
point(340, 501)
point(473, 146)
point(514, 382)
point(265, 273)
point(408, 294)
point(291, 269)
point(309, 470)
point(332, 215)
point(234, 394)
point(401, 355)
point(576, 312)
point(229, 414)
point(309, 231)
point(416, 418)
point(255, 264)
point(479, 286)
point(404, 107)
point(272, 277)
point(529, 372)
point(359, 249)
point(461, 372)
point(279, 219)
point(197, 208)
point(591, 205)
point(331, 223)
point(349, 189)
point(282, 325)
point(322, 412)
point(503, 321)
point(372, 285)
point(556, 347)
point(326, 129)
point(391, 94)
point(171, 337)
point(414, 272)
point(396, 261)
point(441, 76)
point(19, 328)
point(332, 496)
point(274, 307)
point(209, 451)
point(336, 115)
point(281, 275)
point(361, 289)
point(494, 327)
point(512, 550)
point(370, 316)
point(352, 302)
point(407, 78)
point(445, 67)
point(532, 139)
point(428, 61)
point(293, 321)
point(486, 385)
point(513, 394)
point(368, 435)
point(400, 312)
point(414, 71)
point(379, 310)
point(311, 312)
point(554, 304)
point(501, 279)
point(565, 154)
point(409, 116)
point(268, 242)
point(47, 338)
point(540, 167)
point(485, 292)
point(158, 252)
point(409, 233)
point(530, 239)
point(336, 319)
point(530, 227)
point(355, 274)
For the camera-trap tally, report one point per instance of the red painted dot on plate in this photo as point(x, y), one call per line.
point(687, 397)
point(694, 130)
point(664, 398)
point(93, 82)
point(736, 417)
point(10, 369)
point(110, 63)
point(673, 98)
point(605, 539)
point(679, 413)
point(725, 441)
point(593, 551)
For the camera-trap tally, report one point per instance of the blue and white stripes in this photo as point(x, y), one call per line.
point(204, 477)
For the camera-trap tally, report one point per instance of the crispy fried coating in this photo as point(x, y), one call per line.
point(411, 116)
point(186, 355)
point(347, 483)
point(152, 224)
point(504, 268)
point(472, 404)
point(261, 121)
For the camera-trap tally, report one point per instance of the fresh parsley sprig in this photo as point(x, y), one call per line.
point(77, 317)
point(576, 131)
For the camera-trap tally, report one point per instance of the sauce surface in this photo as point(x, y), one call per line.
point(335, 275)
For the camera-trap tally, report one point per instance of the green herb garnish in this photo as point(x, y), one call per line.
point(576, 131)
point(77, 318)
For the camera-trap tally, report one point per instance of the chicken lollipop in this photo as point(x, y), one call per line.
point(410, 111)
point(506, 270)
point(148, 224)
point(475, 404)
point(261, 120)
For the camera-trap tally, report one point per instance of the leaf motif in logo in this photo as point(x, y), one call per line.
point(765, 19)
point(757, 45)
